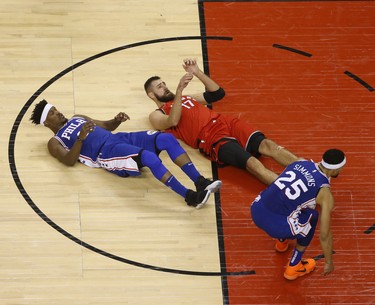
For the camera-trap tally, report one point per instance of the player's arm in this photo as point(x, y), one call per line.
point(161, 121)
point(326, 201)
point(70, 157)
point(109, 125)
point(67, 157)
point(213, 91)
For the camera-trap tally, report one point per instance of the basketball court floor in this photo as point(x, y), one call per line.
point(303, 72)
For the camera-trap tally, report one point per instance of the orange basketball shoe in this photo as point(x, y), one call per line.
point(302, 268)
point(281, 246)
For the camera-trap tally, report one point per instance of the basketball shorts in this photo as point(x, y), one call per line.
point(281, 226)
point(121, 153)
point(241, 141)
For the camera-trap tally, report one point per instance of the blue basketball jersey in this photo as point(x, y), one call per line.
point(117, 153)
point(295, 189)
point(282, 209)
point(68, 134)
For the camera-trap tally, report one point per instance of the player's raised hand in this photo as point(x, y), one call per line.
point(184, 81)
point(122, 117)
point(190, 65)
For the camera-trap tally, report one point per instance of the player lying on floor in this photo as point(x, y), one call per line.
point(92, 143)
point(222, 138)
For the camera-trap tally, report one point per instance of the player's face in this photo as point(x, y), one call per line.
point(161, 91)
point(55, 117)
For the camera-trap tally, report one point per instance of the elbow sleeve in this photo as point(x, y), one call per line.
point(214, 96)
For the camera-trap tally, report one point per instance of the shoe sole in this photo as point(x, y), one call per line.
point(214, 186)
point(205, 199)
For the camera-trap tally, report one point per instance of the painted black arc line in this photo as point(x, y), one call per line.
point(359, 80)
point(348, 73)
point(17, 180)
point(370, 229)
point(303, 53)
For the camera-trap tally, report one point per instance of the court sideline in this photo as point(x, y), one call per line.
point(81, 236)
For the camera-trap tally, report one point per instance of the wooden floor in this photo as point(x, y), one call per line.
point(302, 72)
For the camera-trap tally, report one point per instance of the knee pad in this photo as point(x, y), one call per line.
point(233, 154)
point(168, 142)
point(254, 143)
point(154, 163)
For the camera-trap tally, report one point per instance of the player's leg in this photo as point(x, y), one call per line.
point(281, 155)
point(232, 153)
point(256, 168)
point(160, 172)
point(126, 160)
point(120, 159)
point(275, 225)
point(278, 226)
point(167, 142)
point(256, 143)
point(297, 266)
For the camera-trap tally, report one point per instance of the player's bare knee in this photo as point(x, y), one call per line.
point(269, 148)
point(254, 166)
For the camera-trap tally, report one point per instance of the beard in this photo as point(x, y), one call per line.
point(166, 97)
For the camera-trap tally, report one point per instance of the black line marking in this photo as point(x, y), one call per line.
point(320, 256)
point(17, 180)
point(279, 46)
point(370, 229)
point(219, 219)
point(359, 80)
point(133, 45)
point(112, 256)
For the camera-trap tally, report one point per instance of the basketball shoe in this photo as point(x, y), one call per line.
point(281, 246)
point(302, 268)
point(204, 184)
point(197, 199)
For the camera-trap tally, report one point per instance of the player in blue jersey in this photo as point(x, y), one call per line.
point(285, 210)
point(92, 143)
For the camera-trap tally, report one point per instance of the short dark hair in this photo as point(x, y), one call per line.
point(333, 156)
point(37, 112)
point(148, 82)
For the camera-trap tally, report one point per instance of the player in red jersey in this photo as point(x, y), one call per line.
point(222, 138)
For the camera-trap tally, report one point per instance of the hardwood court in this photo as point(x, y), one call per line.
point(287, 70)
point(83, 236)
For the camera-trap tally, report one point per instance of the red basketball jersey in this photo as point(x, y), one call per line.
point(203, 128)
point(194, 118)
